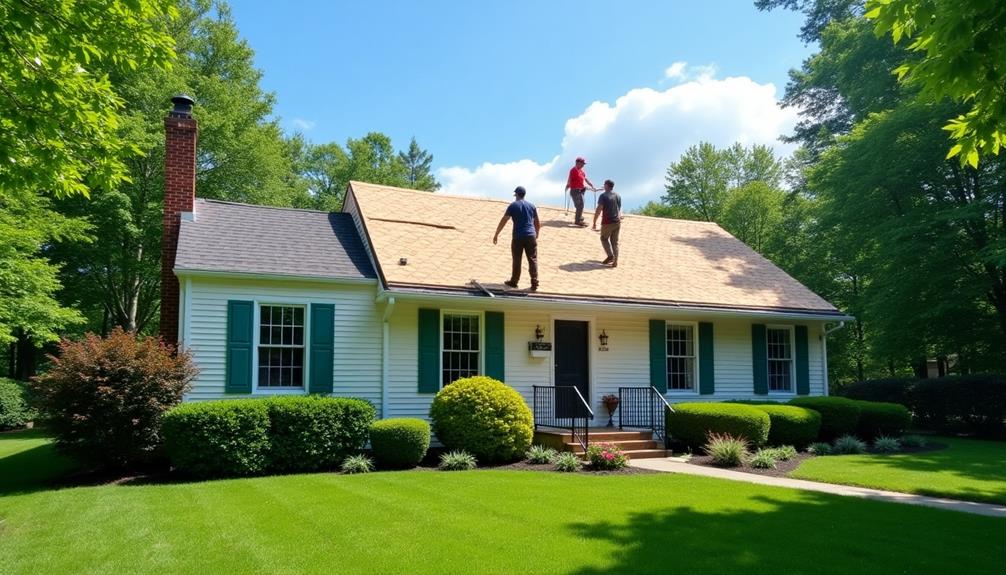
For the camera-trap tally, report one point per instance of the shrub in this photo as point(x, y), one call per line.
point(457, 461)
point(357, 464)
point(894, 390)
point(848, 445)
point(820, 448)
point(839, 416)
point(399, 443)
point(104, 397)
point(726, 450)
point(15, 412)
point(968, 403)
point(218, 438)
point(784, 453)
point(567, 462)
point(791, 425)
point(763, 459)
point(540, 455)
point(876, 419)
point(884, 444)
point(914, 441)
point(311, 432)
point(606, 457)
point(690, 423)
point(483, 416)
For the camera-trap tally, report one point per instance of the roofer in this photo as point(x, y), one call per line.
point(525, 237)
point(610, 204)
point(576, 187)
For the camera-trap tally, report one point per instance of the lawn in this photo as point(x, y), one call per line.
point(969, 469)
point(477, 521)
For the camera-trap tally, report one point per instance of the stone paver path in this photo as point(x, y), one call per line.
point(672, 465)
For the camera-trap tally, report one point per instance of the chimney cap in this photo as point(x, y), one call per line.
point(183, 106)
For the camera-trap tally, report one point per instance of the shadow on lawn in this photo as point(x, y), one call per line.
point(817, 533)
point(37, 469)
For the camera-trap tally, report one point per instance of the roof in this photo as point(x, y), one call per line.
point(447, 243)
point(239, 238)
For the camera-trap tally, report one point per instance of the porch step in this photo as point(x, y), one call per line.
point(633, 444)
point(606, 436)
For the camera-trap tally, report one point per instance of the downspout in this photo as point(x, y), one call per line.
point(824, 351)
point(388, 308)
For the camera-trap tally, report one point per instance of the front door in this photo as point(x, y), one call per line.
point(572, 366)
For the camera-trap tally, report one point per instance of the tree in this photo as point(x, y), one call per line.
point(697, 183)
point(417, 165)
point(60, 119)
point(819, 13)
point(963, 49)
point(753, 213)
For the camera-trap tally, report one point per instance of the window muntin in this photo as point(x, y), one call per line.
point(680, 357)
point(780, 359)
point(281, 346)
point(461, 337)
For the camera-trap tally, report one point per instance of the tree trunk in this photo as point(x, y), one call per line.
point(25, 353)
point(921, 367)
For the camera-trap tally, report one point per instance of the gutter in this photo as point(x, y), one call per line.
point(824, 351)
point(385, 352)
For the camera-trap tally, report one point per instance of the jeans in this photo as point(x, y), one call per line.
point(578, 203)
point(527, 245)
point(609, 239)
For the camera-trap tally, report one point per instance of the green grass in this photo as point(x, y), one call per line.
point(970, 469)
point(478, 521)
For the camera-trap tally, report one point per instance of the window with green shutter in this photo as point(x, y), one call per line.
point(429, 351)
point(802, 361)
point(322, 348)
point(238, 363)
point(495, 345)
point(706, 364)
point(759, 359)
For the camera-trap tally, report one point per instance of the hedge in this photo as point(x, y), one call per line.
point(839, 415)
point(399, 443)
point(484, 417)
point(792, 425)
point(252, 436)
point(690, 423)
point(218, 438)
point(15, 412)
point(882, 418)
point(893, 390)
point(310, 432)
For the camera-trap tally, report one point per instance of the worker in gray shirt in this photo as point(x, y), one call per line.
point(610, 205)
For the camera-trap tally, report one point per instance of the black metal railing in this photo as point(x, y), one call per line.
point(645, 408)
point(563, 407)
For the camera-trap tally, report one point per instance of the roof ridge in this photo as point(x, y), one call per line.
point(434, 192)
point(289, 209)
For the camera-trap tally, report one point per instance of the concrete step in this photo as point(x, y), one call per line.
point(638, 454)
point(599, 436)
point(623, 445)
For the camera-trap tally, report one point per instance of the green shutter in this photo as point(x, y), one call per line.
point(495, 360)
point(322, 348)
point(429, 351)
point(802, 361)
point(759, 358)
point(238, 377)
point(658, 354)
point(706, 385)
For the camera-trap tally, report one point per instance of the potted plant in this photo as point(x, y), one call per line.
point(610, 402)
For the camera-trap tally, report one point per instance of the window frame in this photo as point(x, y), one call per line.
point(694, 325)
point(791, 329)
point(256, 343)
point(482, 340)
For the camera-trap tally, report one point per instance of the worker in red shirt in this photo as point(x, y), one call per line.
point(575, 185)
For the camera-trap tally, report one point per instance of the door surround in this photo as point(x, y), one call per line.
point(591, 337)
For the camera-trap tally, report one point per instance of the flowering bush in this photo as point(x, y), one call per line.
point(606, 456)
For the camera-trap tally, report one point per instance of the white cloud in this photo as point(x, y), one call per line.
point(303, 125)
point(676, 71)
point(634, 140)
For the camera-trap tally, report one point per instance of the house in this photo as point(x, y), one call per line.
point(401, 293)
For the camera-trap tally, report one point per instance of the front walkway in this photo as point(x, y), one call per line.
point(672, 465)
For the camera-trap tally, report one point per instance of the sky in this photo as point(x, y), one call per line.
point(510, 93)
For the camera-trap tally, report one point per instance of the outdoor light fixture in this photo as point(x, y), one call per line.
point(603, 338)
point(538, 333)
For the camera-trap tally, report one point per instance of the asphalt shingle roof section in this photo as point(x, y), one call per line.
point(240, 238)
point(447, 242)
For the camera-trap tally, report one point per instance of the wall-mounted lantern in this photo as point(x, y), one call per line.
point(538, 333)
point(603, 338)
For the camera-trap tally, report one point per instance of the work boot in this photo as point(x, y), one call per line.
point(608, 260)
point(510, 283)
point(534, 286)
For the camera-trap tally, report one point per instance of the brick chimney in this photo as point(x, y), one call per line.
point(180, 131)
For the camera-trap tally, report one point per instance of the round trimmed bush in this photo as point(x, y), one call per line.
point(839, 416)
point(690, 423)
point(484, 417)
point(878, 418)
point(310, 432)
point(791, 425)
point(15, 412)
point(399, 443)
point(218, 438)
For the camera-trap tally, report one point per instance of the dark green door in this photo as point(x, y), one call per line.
point(572, 366)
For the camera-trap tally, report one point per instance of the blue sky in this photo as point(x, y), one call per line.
point(499, 85)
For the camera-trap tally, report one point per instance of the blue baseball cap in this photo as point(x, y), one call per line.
point(519, 191)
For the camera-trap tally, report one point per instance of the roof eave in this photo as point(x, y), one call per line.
point(183, 272)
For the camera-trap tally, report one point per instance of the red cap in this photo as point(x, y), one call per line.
point(581, 159)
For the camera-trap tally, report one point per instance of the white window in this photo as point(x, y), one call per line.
point(461, 337)
point(281, 346)
point(780, 359)
point(680, 357)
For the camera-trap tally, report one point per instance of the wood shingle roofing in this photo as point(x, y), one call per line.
point(447, 243)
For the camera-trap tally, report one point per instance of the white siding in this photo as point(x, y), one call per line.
point(357, 361)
